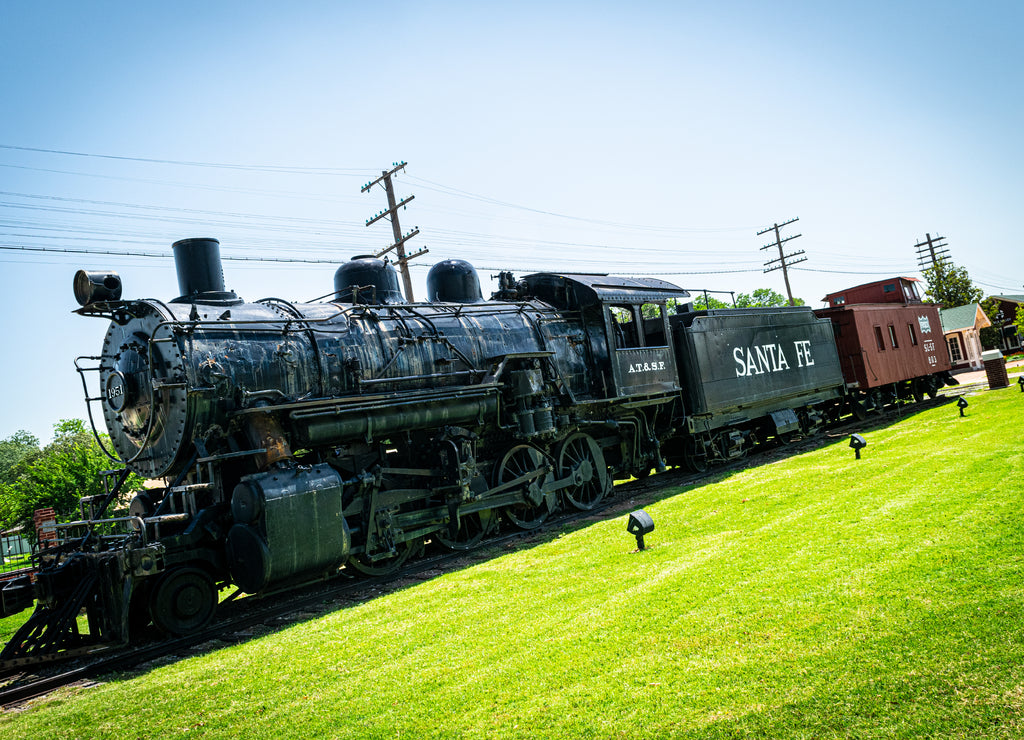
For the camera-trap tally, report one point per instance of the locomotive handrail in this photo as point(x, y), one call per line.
point(403, 378)
point(91, 523)
point(88, 401)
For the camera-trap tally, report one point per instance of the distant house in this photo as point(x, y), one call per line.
point(960, 326)
point(1010, 340)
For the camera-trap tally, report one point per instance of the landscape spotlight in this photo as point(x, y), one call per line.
point(961, 404)
point(858, 443)
point(1020, 382)
point(640, 523)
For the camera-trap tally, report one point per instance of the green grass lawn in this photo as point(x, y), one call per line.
point(814, 597)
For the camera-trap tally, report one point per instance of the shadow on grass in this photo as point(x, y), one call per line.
point(343, 592)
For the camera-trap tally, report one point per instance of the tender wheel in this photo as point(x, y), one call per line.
point(183, 601)
point(385, 566)
point(517, 462)
point(581, 458)
point(472, 528)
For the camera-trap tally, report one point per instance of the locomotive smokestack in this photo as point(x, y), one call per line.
point(200, 275)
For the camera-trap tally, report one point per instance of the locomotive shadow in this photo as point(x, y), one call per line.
point(627, 497)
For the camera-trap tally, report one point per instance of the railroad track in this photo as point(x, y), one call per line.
point(238, 619)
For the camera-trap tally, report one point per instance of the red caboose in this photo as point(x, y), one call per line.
point(890, 343)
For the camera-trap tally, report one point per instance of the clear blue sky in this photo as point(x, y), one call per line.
point(633, 138)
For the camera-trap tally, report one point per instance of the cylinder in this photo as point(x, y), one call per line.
point(199, 268)
point(92, 287)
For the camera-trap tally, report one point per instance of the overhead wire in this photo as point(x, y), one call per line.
point(283, 234)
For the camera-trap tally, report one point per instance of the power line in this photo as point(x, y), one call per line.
point(353, 172)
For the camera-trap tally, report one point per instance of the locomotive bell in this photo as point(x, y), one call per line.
point(453, 281)
point(368, 280)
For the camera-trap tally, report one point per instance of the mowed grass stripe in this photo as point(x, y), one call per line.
point(818, 596)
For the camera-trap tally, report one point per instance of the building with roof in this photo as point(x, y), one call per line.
point(1010, 339)
point(960, 327)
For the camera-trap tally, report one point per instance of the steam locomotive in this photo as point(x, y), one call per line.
point(290, 442)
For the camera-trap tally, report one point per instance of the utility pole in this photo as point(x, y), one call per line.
point(781, 259)
point(932, 252)
point(392, 214)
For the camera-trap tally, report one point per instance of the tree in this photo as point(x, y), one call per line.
point(57, 476)
point(13, 451)
point(704, 302)
point(1019, 321)
point(991, 336)
point(950, 285)
point(764, 298)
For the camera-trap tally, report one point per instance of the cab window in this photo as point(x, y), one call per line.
point(654, 324)
point(623, 325)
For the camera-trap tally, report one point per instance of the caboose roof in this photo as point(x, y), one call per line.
point(864, 287)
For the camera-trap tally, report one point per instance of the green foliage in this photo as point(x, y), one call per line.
point(814, 597)
point(764, 298)
point(13, 451)
point(991, 336)
point(705, 302)
point(1019, 321)
point(950, 285)
point(56, 476)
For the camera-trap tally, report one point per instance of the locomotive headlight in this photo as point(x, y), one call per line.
point(92, 287)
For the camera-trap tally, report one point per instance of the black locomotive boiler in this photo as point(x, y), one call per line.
point(289, 442)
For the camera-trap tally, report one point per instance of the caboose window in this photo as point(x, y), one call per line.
point(623, 325)
point(878, 339)
point(892, 337)
point(913, 335)
point(839, 300)
point(890, 288)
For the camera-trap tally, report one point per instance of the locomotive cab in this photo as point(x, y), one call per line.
point(627, 328)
